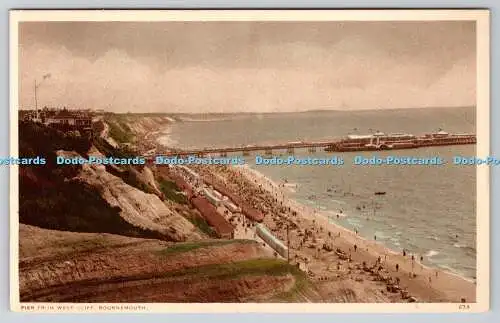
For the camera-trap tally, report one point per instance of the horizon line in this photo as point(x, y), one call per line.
point(256, 112)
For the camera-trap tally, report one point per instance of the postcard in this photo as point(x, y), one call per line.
point(192, 161)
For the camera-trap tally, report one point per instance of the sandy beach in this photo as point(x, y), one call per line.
point(331, 254)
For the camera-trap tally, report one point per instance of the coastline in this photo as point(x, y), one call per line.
point(424, 283)
point(451, 286)
point(274, 188)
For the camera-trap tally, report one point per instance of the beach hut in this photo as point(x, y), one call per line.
point(271, 240)
point(222, 227)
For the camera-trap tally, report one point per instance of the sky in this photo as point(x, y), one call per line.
point(223, 67)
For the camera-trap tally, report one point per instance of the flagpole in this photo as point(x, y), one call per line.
point(46, 76)
point(36, 102)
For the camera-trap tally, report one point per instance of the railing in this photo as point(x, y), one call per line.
point(333, 145)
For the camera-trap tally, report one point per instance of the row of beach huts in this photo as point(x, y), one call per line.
point(206, 196)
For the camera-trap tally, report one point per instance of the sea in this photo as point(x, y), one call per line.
point(427, 210)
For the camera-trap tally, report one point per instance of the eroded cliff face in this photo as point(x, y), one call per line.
point(105, 136)
point(57, 266)
point(144, 125)
point(132, 128)
point(149, 178)
point(96, 233)
point(144, 210)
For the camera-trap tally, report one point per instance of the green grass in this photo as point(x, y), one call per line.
point(202, 225)
point(120, 132)
point(119, 128)
point(172, 192)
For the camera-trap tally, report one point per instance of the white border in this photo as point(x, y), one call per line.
point(482, 18)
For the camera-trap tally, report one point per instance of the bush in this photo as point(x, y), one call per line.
point(120, 131)
point(202, 225)
point(172, 192)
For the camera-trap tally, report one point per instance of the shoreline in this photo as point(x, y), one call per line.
point(163, 135)
point(298, 206)
point(422, 282)
point(450, 285)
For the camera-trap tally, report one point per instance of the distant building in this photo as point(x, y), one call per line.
point(65, 117)
point(62, 119)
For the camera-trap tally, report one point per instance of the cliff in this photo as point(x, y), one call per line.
point(141, 209)
point(96, 233)
point(88, 198)
point(81, 267)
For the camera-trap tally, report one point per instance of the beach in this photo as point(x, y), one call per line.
point(331, 254)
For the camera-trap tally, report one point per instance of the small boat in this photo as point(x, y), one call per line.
point(380, 193)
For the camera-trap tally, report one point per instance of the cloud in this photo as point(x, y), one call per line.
point(349, 74)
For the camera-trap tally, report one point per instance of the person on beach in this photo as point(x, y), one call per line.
point(355, 248)
point(397, 267)
point(375, 237)
point(404, 252)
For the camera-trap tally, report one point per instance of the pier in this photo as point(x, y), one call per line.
point(246, 150)
point(351, 143)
